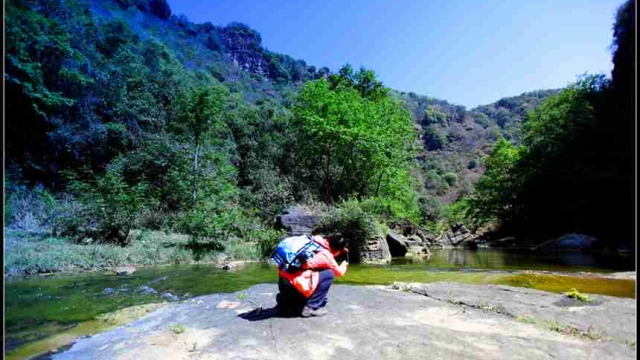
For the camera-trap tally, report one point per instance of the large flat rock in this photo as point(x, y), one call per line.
point(436, 321)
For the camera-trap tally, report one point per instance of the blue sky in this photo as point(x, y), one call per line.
point(468, 52)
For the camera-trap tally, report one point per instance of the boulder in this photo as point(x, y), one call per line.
point(297, 220)
point(397, 244)
point(458, 236)
point(234, 265)
point(414, 240)
point(426, 236)
point(567, 242)
point(169, 296)
point(145, 289)
point(444, 240)
point(125, 270)
point(376, 251)
point(575, 241)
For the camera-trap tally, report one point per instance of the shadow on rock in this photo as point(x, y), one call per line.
point(259, 314)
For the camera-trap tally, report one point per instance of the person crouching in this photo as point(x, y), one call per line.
point(305, 292)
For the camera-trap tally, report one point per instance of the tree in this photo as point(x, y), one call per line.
point(495, 191)
point(199, 113)
point(351, 140)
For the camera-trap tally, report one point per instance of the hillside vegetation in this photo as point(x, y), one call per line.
point(121, 116)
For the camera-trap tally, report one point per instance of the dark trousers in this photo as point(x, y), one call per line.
point(291, 302)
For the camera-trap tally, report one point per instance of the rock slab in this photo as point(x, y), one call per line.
point(439, 321)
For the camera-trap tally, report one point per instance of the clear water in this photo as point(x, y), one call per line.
point(39, 307)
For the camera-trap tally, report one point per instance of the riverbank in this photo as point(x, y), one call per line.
point(445, 320)
point(31, 253)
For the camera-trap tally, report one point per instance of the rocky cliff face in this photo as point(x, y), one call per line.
point(244, 47)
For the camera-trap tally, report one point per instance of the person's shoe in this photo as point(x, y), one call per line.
point(308, 312)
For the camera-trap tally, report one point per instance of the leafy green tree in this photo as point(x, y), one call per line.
point(495, 191)
point(349, 144)
point(199, 113)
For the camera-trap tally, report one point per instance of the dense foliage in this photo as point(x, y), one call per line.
point(125, 116)
point(353, 140)
point(574, 169)
point(121, 116)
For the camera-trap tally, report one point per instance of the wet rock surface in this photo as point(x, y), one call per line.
point(441, 320)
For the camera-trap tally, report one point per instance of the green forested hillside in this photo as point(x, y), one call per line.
point(120, 115)
point(123, 116)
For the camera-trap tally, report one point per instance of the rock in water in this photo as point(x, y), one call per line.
point(169, 296)
point(567, 242)
point(575, 241)
point(397, 244)
point(147, 290)
point(125, 270)
point(234, 265)
point(108, 291)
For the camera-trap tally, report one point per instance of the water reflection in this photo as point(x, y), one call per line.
point(492, 259)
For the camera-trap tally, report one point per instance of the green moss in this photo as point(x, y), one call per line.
point(560, 284)
point(575, 294)
point(525, 319)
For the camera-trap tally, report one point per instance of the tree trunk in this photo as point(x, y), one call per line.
point(196, 154)
point(378, 185)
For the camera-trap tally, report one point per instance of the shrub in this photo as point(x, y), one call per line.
point(450, 178)
point(30, 209)
point(457, 212)
point(354, 223)
point(74, 220)
point(112, 202)
point(430, 210)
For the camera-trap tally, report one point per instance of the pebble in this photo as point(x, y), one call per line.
point(108, 291)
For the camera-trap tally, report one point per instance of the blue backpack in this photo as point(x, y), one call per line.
point(292, 252)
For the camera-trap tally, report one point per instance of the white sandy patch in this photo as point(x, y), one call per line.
point(165, 344)
point(227, 304)
point(326, 347)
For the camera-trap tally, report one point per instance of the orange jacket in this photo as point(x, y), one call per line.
point(306, 280)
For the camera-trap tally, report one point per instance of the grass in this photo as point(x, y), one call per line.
point(29, 253)
point(177, 328)
point(588, 334)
